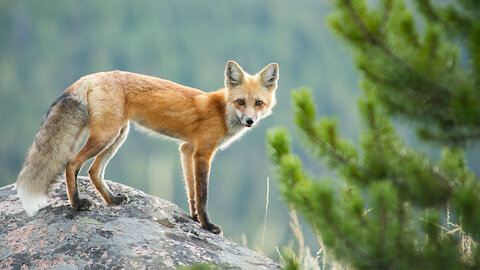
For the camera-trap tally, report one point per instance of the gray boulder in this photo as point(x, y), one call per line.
point(147, 233)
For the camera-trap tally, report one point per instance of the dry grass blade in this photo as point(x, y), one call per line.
point(298, 233)
point(266, 213)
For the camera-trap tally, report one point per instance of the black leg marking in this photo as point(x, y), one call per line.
point(202, 173)
point(213, 228)
point(76, 199)
point(82, 204)
point(193, 211)
point(203, 202)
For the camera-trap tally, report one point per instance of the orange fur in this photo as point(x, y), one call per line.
point(203, 121)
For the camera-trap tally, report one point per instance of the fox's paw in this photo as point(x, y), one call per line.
point(195, 217)
point(213, 228)
point(84, 205)
point(120, 199)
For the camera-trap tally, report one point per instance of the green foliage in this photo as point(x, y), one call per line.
point(395, 207)
point(290, 261)
point(391, 212)
point(401, 64)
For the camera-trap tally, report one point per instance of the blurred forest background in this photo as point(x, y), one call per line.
point(47, 45)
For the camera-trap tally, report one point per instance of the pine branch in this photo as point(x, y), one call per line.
point(383, 225)
point(449, 18)
point(427, 102)
point(431, 169)
point(369, 113)
point(333, 226)
point(459, 139)
point(401, 221)
point(418, 78)
point(374, 41)
point(321, 137)
point(474, 44)
point(277, 144)
point(386, 16)
point(426, 8)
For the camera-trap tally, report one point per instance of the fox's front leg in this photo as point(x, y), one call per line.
point(202, 161)
point(186, 151)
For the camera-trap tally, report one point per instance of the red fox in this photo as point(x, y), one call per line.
point(105, 103)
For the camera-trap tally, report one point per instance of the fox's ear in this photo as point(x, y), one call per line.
point(234, 74)
point(269, 76)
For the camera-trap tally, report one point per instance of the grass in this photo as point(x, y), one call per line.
point(266, 214)
point(302, 258)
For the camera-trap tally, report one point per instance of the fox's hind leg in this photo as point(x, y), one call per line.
point(97, 141)
point(97, 170)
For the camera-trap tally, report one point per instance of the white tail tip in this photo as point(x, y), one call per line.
point(31, 201)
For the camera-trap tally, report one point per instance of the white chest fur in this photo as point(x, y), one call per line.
point(235, 130)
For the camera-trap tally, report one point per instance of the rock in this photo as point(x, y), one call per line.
point(146, 233)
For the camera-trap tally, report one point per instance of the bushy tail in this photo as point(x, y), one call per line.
point(54, 145)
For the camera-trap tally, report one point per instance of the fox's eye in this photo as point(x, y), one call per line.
point(259, 103)
point(241, 102)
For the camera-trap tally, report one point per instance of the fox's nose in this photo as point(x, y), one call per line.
point(249, 121)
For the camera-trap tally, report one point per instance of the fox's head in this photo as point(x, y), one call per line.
point(249, 97)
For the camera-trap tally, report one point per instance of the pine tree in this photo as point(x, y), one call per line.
point(395, 207)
